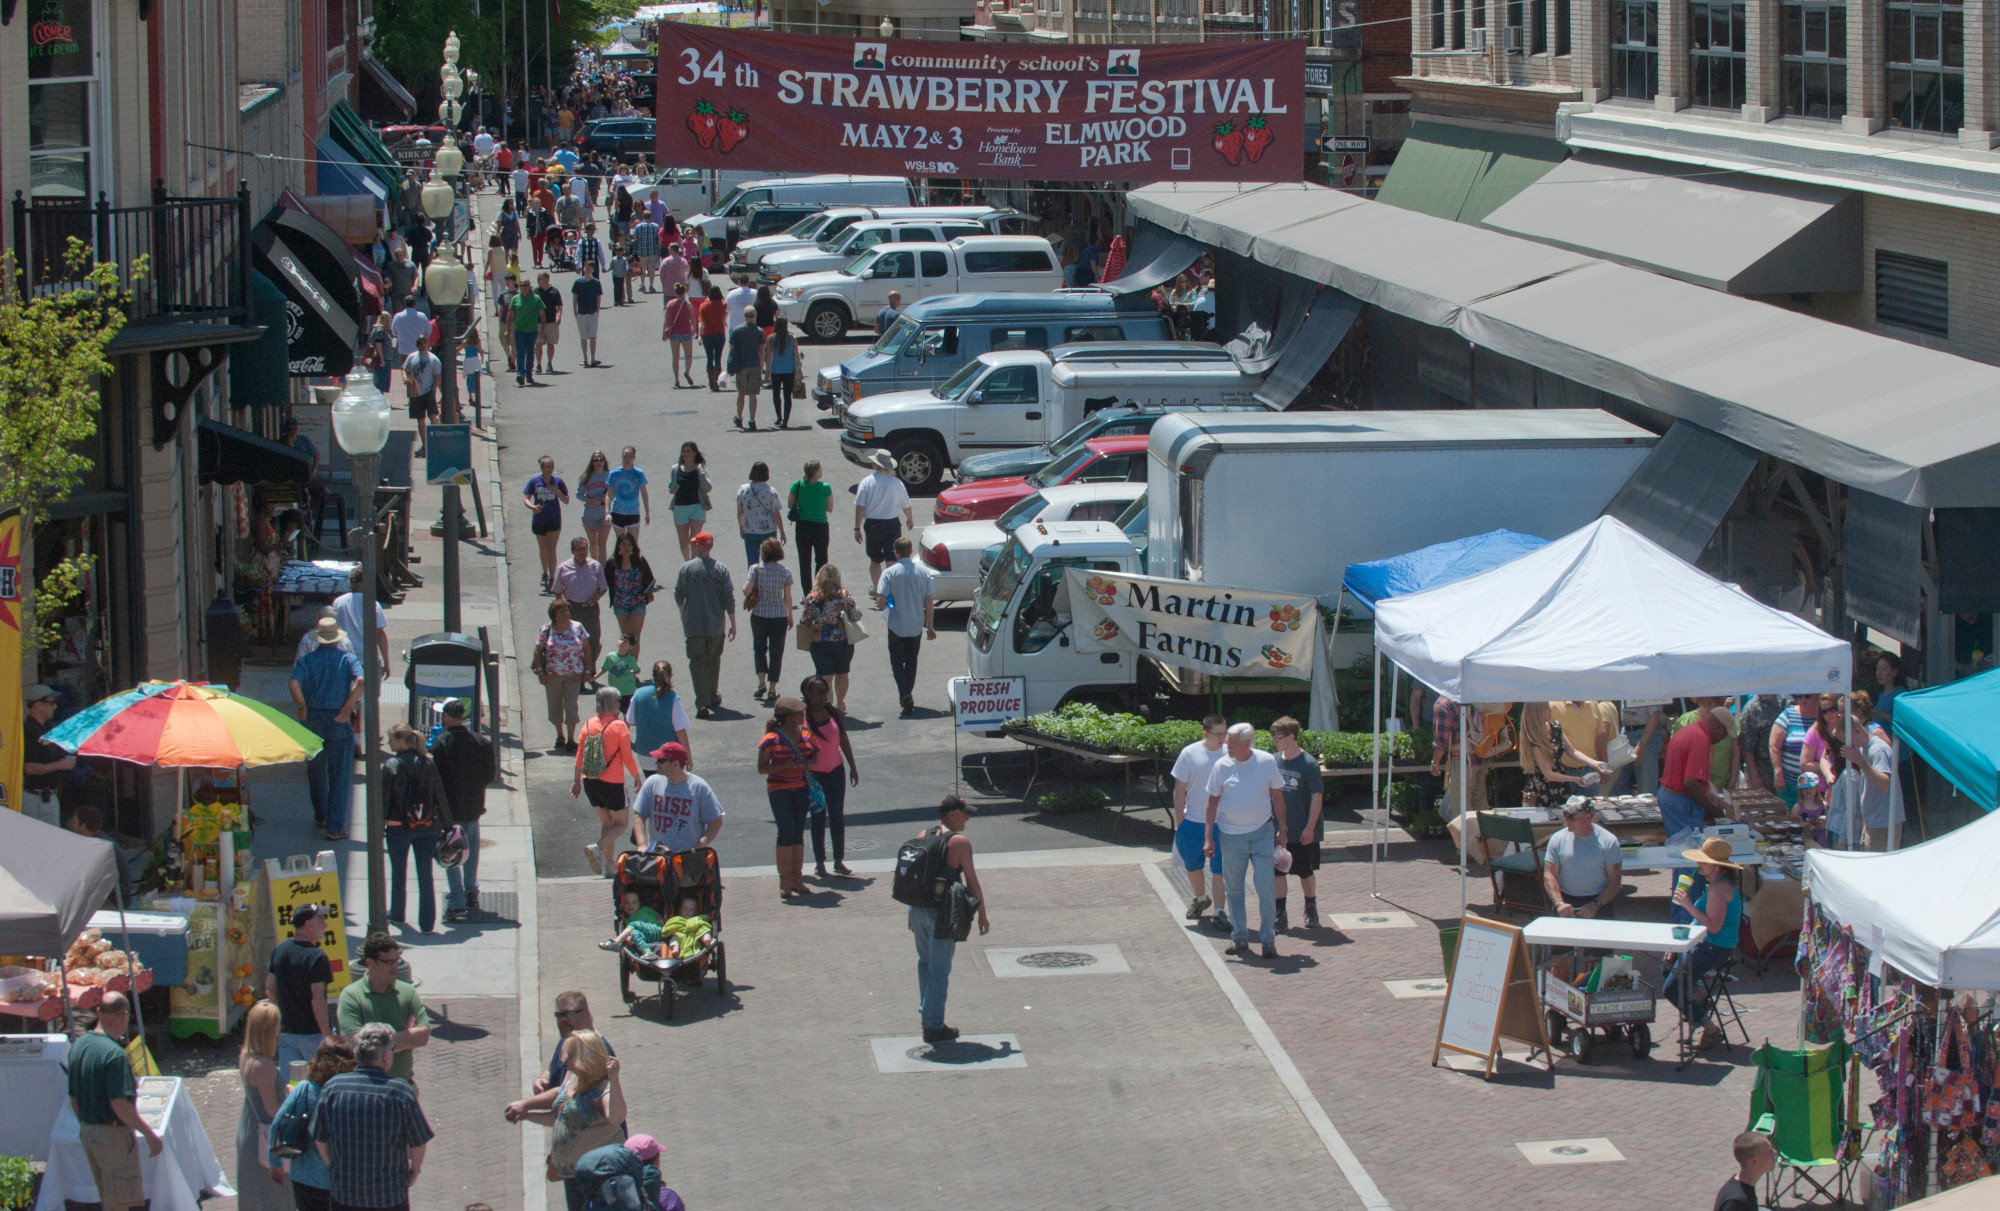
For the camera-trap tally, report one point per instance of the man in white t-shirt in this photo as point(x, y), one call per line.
point(1191, 770)
point(735, 301)
point(347, 609)
point(881, 510)
point(1246, 793)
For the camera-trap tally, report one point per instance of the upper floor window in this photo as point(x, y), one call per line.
point(1635, 49)
point(1812, 46)
point(63, 99)
point(1716, 55)
point(1924, 53)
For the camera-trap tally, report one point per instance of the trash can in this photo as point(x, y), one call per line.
point(439, 666)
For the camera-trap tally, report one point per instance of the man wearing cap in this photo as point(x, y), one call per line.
point(881, 510)
point(674, 809)
point(1686, 797)
point(1583, 868)
point(707, 600)
point(580, 581)
point(296, 981)
point(934, 954)
point(464, 761)
point(326, 685)
point(43, 763)
point(621, 1177)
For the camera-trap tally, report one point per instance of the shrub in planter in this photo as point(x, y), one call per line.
point(1071, 799)
point(17, 1181)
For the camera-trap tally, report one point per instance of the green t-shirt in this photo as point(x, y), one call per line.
point(98, 1072)
point(527, 311)
point(812, 497)
point(399, 1009)
point(623, 673)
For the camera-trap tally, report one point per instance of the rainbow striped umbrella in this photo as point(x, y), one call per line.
point(186, 723)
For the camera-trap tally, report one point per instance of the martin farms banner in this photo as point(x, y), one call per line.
point(903, 107)
point(1220, 631)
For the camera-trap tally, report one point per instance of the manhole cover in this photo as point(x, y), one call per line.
point(1373, 920)
point(1432, 986)
point(862, 844)
point(1056, 959)
point(1568, 1150)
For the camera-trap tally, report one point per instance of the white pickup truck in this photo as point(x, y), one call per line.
point(824, 306)
point(1024, 397)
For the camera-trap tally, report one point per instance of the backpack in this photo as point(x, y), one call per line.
point(923, 875)
point(593, 754)
point(413, 791)
point(291, 1131)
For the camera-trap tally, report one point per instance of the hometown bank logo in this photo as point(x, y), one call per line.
point(871, 56)
point(1121, 63)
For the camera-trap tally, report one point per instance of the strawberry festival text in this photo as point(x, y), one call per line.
point(981, 94)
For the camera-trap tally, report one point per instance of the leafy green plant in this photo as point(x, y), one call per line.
point(1403, 798)
point(1425, 824)
point(1071, 799)
point(1083, 724)
point(17, 1181)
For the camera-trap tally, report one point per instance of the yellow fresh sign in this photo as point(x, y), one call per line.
point(291, 888)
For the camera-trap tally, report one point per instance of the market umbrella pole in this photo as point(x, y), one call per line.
point(1463, 801)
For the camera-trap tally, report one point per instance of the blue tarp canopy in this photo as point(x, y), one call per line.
point(1435, 565)
point(1955, 728)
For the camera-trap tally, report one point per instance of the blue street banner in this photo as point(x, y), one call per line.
point(448, 454)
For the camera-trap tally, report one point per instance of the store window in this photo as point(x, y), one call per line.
point(1437, 24)
point(1562, 27)
point(63, 98)
point(1812, 45)
point(1716, 55)
point(1635, 50)
point(1924, 54)
point(1458, 24)
point(1538, 34)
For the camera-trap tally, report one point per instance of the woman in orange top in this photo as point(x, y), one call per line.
point(605, 787)
point(714, 319)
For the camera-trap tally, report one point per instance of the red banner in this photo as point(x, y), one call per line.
point(904, 107)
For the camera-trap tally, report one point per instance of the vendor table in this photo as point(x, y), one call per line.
point(1592, 933)
point(81, 996)
point(34, 1090)
point(1637, 823)
point(1038, 743)
point(176, 1180)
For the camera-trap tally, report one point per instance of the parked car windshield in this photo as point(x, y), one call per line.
point(804, 228)
point(1062, 468)
point(893, 339)
point(954, 386)
point(998, 587)
point(1022, 513)
point(859, 266)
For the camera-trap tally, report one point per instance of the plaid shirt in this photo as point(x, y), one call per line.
point(369, 1122)
point(646, 238)
point(1444, 724)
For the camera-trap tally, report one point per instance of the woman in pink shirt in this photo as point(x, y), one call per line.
point(677, 329)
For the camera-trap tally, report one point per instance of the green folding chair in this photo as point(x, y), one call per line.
point(1516, 877)
point(1799, 1100)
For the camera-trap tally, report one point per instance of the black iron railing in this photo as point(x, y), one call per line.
point(181, 260)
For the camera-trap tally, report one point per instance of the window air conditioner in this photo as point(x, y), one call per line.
point(1475, 40)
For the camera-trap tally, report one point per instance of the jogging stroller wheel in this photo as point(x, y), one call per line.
point(625, 979)
point(721, 971)
point(667, 997)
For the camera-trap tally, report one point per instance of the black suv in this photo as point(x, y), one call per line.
point(624, 138)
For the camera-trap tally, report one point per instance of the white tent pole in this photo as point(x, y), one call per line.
point(1389, 782)
point(1846, 739)
point(1895, 791)
point(1464, 799)
point(1375, 775)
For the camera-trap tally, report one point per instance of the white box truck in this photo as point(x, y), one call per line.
point(1284, 503)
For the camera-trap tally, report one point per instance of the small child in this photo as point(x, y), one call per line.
point(620, 267)
point(621, 672)
point(642, 926)
point(670, 939)
point(1812, 807)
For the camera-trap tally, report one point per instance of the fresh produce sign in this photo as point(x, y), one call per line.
point(796, 103)
point(1209, 628)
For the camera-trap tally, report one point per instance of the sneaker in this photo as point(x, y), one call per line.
point(452, 916)
point(702, 712)
point(1269, 951)
point(1312, 916)
point(939, 1035)
point(471, 901)
point(1221, 923)
point(336, 836)
point(1237, 948)
point(1283, 922)
point(596, 857)
point(606, 944)
point(1197, 906)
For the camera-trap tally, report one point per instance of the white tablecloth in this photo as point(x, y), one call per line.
point(1597, 933)
point(34, 1090)
point(175, 1180)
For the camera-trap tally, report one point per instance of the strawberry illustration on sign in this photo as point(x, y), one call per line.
point(733, 129)
point(703, 123)
point(1229, 142)
point(1256, 137)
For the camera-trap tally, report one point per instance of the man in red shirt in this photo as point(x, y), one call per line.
point(1686, 798)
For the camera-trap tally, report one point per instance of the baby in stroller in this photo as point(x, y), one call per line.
point(685, 934)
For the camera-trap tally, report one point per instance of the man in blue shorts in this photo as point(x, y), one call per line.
point(1191, 770)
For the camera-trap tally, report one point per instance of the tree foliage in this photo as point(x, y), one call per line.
point(410, 34)
point(52, 352)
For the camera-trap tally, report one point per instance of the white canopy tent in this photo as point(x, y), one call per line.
point(1603, 613)
point(1933, 910)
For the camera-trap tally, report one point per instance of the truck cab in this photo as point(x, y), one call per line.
point(1021, 620)
point(823, 306)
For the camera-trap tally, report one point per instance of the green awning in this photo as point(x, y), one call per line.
point(259, 370)
point(1462, 174)
point(354, 137)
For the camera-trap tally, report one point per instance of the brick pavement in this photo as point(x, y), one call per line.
point(1140, 1091)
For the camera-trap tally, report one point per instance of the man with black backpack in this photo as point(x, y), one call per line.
point(464, 761)
point(934, 876)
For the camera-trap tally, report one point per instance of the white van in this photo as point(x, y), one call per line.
point(720, 224)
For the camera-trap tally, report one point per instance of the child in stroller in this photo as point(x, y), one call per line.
point(562, 249)
point(689, 933)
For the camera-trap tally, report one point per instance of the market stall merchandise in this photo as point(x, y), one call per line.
point(185, 1171)
point(51, 882)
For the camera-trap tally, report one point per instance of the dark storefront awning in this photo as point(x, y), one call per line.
point(391, 88)
point(1725, 231)
point(1463, 174)
point(259, 371)
point(228, 455)
point(1158, 256)
point(1681, 493)
point(341, 173)
point(347, 129)
point(315, 270)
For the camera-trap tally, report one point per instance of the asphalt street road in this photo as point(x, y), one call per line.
point(905, 764)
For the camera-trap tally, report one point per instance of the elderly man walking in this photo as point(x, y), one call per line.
point(369, 1128)
point(579, 580)
point(707, 599)
point(1246, 793)
point(326, 686)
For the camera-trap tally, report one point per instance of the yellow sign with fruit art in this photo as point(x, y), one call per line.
point(295, 883)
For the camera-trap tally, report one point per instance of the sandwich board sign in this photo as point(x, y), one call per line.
point(1491, 996)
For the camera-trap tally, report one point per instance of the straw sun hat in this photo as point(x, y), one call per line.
point(1715, 850)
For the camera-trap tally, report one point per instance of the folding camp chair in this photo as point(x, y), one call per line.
point(1800, 1101)
point(1718, 1003)
point(1516, 877)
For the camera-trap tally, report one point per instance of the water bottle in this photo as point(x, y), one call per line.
point(889, 602)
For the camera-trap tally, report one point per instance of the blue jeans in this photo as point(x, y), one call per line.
point(1642, 775)
point(1254, 848)
point(330, 774)
point(750, 544)
point(524, 355)
point(1678, 812)
point(1699, 961)
point(401, 841)
point(934, 957)
point(296, 1047)
point(463, 878)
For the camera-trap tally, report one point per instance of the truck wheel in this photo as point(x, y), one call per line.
point(826, 322)
point(919, 464)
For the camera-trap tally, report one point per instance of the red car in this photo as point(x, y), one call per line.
point(1099, 460)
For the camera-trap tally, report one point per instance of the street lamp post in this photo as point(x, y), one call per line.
point(444, 285)
point(361, 425)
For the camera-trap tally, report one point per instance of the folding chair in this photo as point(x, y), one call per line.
point(1800, 1101)
point(1516, 877)
point(1717, 1001)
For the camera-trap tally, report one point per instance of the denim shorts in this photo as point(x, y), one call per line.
point(683, 514)
point(628, 611)
point(1188, 841)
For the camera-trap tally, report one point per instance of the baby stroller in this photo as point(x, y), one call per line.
point(562, 248)
point(660, 882)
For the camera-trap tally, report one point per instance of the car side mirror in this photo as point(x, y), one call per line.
point(976, 397)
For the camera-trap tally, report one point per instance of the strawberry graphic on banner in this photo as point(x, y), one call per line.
point(1256, 137)
point(703, 123)
point(1229, 142)
point(733, 129)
